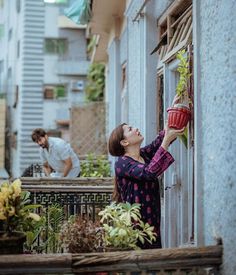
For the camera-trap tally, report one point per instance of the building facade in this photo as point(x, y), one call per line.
point(199, 188)
point(43, 72)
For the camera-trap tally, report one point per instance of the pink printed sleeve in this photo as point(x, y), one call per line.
point(129, 168)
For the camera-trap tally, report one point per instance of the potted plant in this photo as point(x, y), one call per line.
point(123, 227)
point(81, 235)
point(15, 215)
point(179, 114)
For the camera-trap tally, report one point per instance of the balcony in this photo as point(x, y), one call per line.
point(85, 196)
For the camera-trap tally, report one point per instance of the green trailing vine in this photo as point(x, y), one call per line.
point(181, 88)
point(183, 69)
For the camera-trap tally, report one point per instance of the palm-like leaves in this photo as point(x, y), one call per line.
point(124, 227)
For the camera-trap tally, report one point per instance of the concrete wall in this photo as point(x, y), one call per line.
point(217, 108)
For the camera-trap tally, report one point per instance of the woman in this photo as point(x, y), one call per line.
point(137, 171)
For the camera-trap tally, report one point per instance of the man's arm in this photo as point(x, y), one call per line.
point(67, 167)
point(47, 169)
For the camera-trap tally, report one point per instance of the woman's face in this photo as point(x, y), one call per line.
point(132, 135)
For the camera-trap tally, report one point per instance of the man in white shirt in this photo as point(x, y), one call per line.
point(57, 156)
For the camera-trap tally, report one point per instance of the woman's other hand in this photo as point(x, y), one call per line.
point(170, 135)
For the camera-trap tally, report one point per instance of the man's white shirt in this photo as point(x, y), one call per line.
point(58, 151)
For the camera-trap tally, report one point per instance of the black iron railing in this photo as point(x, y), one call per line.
point(84, 197)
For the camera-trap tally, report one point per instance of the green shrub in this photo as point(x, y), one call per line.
point(95, 166)
point(123, 226)
point(96, 82)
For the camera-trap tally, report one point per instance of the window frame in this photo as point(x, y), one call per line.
point(56, 47)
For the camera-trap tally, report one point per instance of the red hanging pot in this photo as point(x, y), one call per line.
point(178, 117)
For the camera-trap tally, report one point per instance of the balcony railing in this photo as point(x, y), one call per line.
point(86, 196)
point(81, 196)
point(176, 261)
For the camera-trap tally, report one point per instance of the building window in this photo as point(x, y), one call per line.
point(55, 46)
point(54, 91)
point(175, 29)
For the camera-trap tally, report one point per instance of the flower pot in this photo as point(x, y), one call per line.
point(178, 117)
point(12, 244)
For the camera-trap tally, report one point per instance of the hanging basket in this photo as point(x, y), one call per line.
point(12, 244)
point(178, 118)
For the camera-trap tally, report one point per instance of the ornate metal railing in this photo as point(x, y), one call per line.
point(176, 261)
point(61, 198)
point(82, 196)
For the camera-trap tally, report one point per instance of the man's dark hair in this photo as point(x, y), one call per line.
point(37, 134)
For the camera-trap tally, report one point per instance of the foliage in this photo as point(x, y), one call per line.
point(181, 89)
point(45, 236)
point(32, 235)
point(53, 228)
point(124, 227)
point(96, 82)
point(91, 44)
point(95, 166)
point(15, 210)
point(184, 137)
point(81, 235)
point(183, 69)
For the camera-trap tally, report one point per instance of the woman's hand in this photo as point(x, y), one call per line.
point(170, 135)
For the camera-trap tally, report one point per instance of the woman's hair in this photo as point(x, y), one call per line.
point(114, 146)
point(116, 150)
point(116, 193)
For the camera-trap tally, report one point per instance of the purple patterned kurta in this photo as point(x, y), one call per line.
point(138, 182)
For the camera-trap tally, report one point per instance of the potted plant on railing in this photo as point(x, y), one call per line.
point(15, 215)
point(123, 227)
point(179, 114)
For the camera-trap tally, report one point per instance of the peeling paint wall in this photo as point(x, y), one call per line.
point(217, 99)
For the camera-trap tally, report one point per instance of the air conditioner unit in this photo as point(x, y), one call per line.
point(78, 85)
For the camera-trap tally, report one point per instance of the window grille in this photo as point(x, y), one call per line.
point(175, 29)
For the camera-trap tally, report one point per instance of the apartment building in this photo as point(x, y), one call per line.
point(43, 67)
